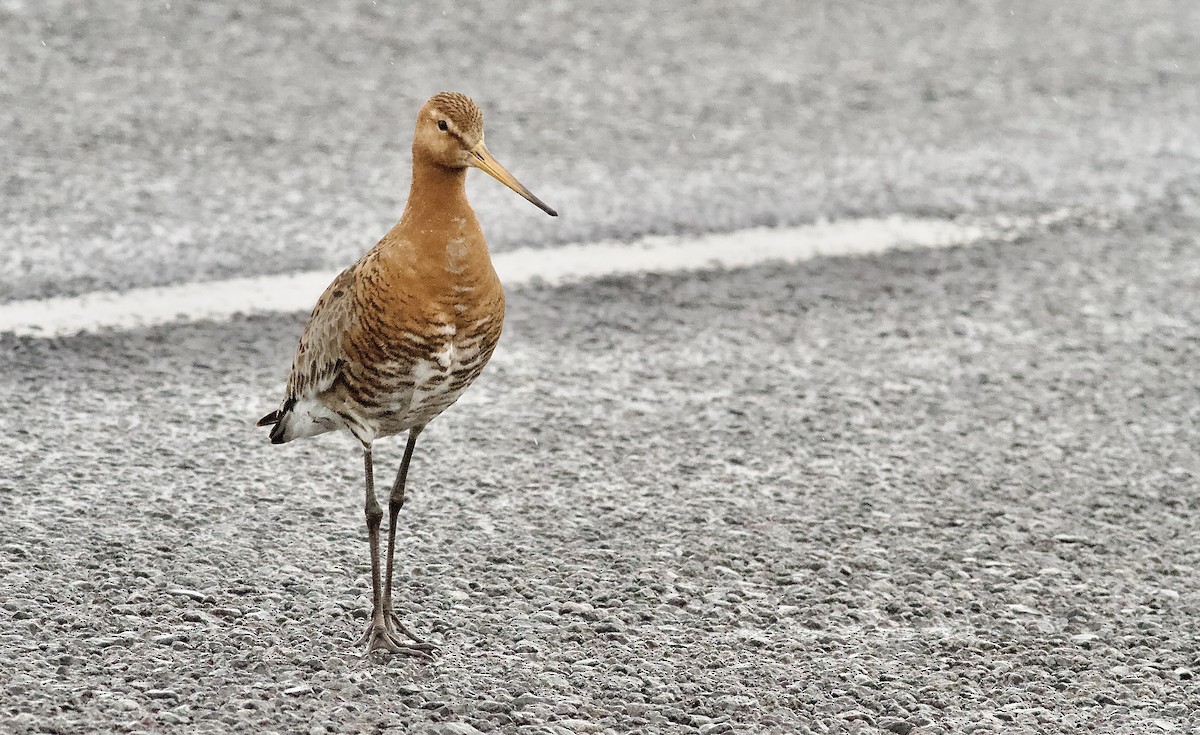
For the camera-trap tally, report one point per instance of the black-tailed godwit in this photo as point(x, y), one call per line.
point(399, 335)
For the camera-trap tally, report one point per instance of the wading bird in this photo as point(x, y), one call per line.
point(398, 336)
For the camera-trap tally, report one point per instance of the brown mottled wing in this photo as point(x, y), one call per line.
point(320, 355)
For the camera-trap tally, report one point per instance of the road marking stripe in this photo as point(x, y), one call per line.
point(221, 300)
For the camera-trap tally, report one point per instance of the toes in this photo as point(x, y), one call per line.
point(378, 637)
point(416, 642)
point(377, 640)
point(391, 645)
point(414, 652)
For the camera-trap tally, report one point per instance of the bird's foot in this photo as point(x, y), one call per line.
point(384, 633)
point(398, 625)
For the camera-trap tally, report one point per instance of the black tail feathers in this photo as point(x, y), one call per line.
point(275, 420)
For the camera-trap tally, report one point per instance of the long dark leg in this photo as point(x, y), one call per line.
point(378, 633)
point(395, 503)
point(374, 518)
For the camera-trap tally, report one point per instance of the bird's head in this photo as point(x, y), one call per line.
point(450, 134)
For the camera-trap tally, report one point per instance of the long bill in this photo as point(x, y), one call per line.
point(482, 159)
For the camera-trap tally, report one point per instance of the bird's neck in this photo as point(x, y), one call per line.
point(438, 235)
point(437, 199)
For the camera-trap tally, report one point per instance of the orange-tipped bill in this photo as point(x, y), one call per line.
point(482, 159)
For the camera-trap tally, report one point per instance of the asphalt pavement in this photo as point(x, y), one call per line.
point(945, 491)
point(154, 142)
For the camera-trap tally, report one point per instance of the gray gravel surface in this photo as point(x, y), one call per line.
point(933, 492)
point(153, 142)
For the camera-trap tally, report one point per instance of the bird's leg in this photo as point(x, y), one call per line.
point(395, 503)
point(379, 630)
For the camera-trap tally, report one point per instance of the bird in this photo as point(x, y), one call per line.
point(397, 337)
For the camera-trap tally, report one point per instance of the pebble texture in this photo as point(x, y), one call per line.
point(164, 142)
point(939, 492)
point(935, 492)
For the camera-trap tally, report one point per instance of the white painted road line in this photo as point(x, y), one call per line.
point(221, 300)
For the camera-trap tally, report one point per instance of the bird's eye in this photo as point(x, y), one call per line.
point(442, 125)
